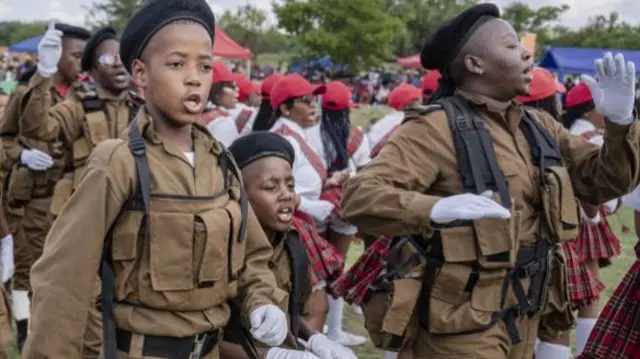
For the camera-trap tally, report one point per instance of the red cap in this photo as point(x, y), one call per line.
point(245, 86)
point(578, 95)
point(542, 86)
point(430, 82)
point(403, 95)
point(291, 86)
point(267, 85)
point(256, 87)
point(337, 96)
point(221, 73)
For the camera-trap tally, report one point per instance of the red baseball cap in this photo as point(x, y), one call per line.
point(430, 83)
point(267, 85)
point(245, 86)
point(221, 73)
point(542, 86)
point(337, 96)
point(292, 86)
point(403, 95)
point(578, 95)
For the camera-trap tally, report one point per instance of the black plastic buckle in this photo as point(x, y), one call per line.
point(530, 269)
point(138, 147)
point(462, 124)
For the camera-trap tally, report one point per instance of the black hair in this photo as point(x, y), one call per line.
point(334, 130)
point(548, 104)
point(263, 118)
point(26, 74)
point(217, 90)
point(572, 114)
point(277, 113)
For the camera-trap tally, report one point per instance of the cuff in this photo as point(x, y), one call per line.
point(276, 298)
point(419, 208)
point(39, 80)
point(616, 132)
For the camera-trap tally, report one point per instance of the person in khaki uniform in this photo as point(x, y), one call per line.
point(79, 123)
point(266, 161)
point(485, 283)
point(33, 167)
point(162, 214)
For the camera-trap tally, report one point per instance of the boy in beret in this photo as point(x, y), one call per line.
point(32, 167)
point(493, 261)
point(162, 213)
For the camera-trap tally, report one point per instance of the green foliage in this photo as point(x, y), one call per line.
point(248, 26)
point(16, 31)
point(114, 12)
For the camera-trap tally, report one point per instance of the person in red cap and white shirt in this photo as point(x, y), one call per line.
point(244, 113)
point(293, 100)
point(596, 242)
point(223, 97)
point(430, 84)
point(263, 120)
point(344, 148)
point(402, 97)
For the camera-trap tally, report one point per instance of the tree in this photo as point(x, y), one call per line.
point(248, 26)
point(114, 12)
point(16, 31)
point(354, 32)
point(525, 19)
point(602, 31)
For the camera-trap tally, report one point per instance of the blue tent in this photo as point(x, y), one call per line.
point(569, 60)
point(28, 45)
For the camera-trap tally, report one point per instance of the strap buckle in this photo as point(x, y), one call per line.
point(462, 123)
point(198, 344)
point(137, 147)
point(531, 269)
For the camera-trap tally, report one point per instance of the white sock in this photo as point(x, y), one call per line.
point(21, 304)
point(585, 325)
point(390, 355)
point(537, 343)
point(552, 351)
point(334, 316)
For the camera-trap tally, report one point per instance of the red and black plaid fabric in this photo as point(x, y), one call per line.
point(617, 331)
point(353, 285)
point(326, 262)
point(333, 194)
point(597, 241)
point(584, 288)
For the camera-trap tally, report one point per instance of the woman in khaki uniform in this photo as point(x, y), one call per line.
point(161, 213)
point(493, 261)
point(266, 161)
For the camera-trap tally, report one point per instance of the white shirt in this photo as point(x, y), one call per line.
point(224, 129)
point(361, 157)
point(190, 157)
point(633, 199)
point(382, 127)
point(581, 126)
point(249, 125)
point(308, 181)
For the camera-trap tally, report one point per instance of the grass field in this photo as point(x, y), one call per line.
point(611, 276)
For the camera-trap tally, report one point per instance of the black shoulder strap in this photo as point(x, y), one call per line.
point(299, 259)
point(139, 150)
point(235, 332)
point(225, 160)
point(135, 107)
point(475, 154)
point(92, 104)
point(544, 148)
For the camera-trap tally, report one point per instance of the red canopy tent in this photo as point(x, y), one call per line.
point(410, 61)
point(227, 48)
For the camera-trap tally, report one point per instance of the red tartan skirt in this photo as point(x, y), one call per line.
point(326, 262)
point(584, 288)
point(617, 331)
point(333, 194)
point(353, 284)
point(597, 241)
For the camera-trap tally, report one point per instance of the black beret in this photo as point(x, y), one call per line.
point(154, 16)
point(74, 32)
point(442, 47)
point(101, 35)
point(260, 144)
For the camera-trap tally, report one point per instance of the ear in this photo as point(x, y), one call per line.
point(474, 65)
point(284, 110)
point(139, 74)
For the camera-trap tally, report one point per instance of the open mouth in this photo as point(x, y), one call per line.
point(121, 77)
point(528, 74)
point(193, 103)
point(285, 214)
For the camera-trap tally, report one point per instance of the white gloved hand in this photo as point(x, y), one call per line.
point(279, 353)
point(319, 209)
point(614, 95)
point(49, 51)
point(326, 348)
point(612, 205)
point(8, 266)
point(269, 325)
point(36, 160)
point(467, 206)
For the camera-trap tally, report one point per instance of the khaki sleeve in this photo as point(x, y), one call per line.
point(387, 196)
point(257, 284)
point(10, 127)
point(599, 174)
point(63, 278)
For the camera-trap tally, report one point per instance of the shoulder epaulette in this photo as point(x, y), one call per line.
point(418, 112)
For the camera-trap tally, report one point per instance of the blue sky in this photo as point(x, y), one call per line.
point(73, 11)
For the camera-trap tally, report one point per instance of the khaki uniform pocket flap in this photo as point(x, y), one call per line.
point(487, 292)
point(171, 251)
point(458, 244)
point(216, 226)
point(402, 306)
point(125, 236)
point(450, 283)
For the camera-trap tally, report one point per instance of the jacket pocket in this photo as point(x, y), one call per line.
point(124, 249)
point(171, 247)
point(212, 232)
point(559, 205)
point(21, 184)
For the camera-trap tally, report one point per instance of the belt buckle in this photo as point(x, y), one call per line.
point(198, 343)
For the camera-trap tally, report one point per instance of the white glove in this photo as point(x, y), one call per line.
point(467, 206)
point(612, 205)
point(36, 160)
point(279, 353)
point(49, 51)
point(8, 266)
point(325, 348)
point(614, 95)
point(319, 209)
point(269, 325)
